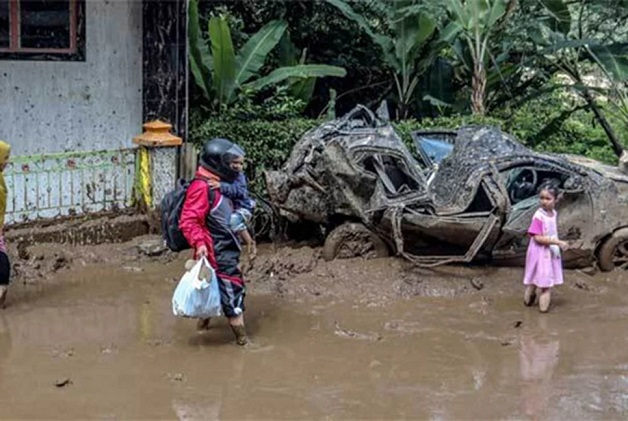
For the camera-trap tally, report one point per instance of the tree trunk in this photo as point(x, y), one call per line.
point(601, 118)
point(478, 89)
point(402, 111)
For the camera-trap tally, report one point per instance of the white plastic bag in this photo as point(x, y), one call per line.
point(197, 298)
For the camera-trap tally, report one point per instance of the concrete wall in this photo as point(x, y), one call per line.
point(48, 107)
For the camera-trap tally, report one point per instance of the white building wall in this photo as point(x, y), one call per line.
point(56, 114)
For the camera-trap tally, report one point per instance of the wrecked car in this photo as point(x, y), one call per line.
point(464, 195)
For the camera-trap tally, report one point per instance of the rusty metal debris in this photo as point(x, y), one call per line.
point(464, 194)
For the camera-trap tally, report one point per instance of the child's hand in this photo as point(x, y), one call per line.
point(564, 245)
point(214, 183)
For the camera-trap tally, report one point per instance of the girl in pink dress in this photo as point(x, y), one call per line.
point(544, 267)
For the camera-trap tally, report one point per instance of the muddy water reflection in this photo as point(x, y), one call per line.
point(472, 357)
point(538, 355)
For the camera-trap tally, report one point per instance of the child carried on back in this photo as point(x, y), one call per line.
point(243, 205)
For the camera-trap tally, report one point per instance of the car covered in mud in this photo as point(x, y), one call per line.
point(464, 195)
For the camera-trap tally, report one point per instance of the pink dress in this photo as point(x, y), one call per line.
point(544, 266)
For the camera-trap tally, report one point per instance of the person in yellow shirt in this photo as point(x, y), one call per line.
point(5, 265)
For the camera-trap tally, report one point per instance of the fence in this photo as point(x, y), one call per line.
point(69, 184)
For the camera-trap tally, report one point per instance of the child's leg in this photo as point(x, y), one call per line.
point(544, 300)
point(529, 296)
point(250, 243)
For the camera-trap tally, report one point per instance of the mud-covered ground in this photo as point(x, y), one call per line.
point(88, 333)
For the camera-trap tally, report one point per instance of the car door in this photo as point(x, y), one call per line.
point(574, 208)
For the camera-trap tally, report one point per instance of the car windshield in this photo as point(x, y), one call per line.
point(433, 146)
point(433, 150)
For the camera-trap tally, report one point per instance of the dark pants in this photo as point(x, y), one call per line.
point(5, 269)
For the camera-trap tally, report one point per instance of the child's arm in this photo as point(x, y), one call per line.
point(233, 191)
point(548, 241)
point(536, 232)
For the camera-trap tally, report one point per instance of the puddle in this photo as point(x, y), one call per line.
point(101, 342)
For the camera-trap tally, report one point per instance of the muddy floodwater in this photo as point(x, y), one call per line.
point(89, 333)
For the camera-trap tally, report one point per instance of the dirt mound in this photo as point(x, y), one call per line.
point(42, 262)
point(292, 273)
point(301, 274)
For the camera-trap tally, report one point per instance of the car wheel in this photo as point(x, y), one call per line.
point(614, 252)
point(354, 240)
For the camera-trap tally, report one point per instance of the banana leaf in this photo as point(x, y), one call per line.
point(253, 54)
point(560, 15)
point(224, 59)
point(200, 58)
point(303, 71)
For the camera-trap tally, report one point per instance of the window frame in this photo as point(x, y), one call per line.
point(75, 52)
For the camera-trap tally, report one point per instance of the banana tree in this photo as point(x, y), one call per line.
point(221, 73)
point(408, 37)
point(289, 55)
point(475, 22)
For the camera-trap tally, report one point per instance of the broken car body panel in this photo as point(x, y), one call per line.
point(470, 192)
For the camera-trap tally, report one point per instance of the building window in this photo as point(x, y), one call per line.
point(42, 30)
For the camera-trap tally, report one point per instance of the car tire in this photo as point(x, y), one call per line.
point(614, 251)
point(351, 240)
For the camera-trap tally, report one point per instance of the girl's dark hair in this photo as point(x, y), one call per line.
point(552, 188)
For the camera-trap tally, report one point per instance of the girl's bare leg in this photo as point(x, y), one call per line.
point(544, 300)
point(529, 296)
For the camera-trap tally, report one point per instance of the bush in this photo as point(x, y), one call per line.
point(560, 123)
point(267, 143)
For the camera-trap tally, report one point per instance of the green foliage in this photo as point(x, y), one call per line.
point(281, 105)
point(329, 38)
point(475, 22)
point(267, 143)
point(513, 50)
point(289, 55)
point(221, 73)
point(560, 123)
point(406, 33)
point(575, 37)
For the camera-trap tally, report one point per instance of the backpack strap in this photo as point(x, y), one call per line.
point(212, 197)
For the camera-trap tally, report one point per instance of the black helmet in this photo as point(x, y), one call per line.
point(216, 156)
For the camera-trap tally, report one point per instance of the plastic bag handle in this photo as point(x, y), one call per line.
point(196, 269)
